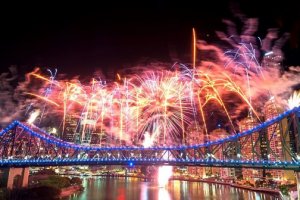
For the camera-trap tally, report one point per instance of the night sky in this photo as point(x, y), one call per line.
point(80, 38)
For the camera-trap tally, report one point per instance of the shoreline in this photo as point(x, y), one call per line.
point(235, 185)
point(70, 190)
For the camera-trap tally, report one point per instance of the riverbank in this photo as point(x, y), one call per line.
point(136, 188)
point(62, 185)
point(235, 185)
point(64, 192)
point(263, 190)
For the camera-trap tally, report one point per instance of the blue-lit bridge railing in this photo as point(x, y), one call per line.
point(272, 144)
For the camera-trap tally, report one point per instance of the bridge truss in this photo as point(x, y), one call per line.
point(23, 145)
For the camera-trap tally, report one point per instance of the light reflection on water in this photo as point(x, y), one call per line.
point(163, 194)
point(102, 188)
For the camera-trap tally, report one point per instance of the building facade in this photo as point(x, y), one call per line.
point(250, 148)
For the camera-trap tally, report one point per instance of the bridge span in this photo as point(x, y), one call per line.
point(23, 145)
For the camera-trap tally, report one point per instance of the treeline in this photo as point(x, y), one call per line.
point(46, 189)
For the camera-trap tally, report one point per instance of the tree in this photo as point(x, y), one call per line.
point(284, 189)
point(56, 182)
point(76, 181)
point(46, 172)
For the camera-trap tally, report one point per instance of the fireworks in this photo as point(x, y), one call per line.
point(33, 116)
point(163, 104)
point(160, 104)
point(164, 172)
point(294, 100)
point(157, 105)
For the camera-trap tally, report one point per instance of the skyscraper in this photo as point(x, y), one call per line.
point(250, 148)
point(195, 136)
point(216, 134)
point(69, 131)
point(274, 137)
point(87, 126)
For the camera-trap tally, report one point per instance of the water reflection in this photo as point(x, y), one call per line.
point(102, 188)
point(163, 194)
point(144, 192)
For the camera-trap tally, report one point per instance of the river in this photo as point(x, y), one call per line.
point(108, 188)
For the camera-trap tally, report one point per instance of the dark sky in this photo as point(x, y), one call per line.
point(79, 38)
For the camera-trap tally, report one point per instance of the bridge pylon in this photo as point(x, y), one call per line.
point(15, 177)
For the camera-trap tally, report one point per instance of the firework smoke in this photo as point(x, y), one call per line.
point(159, 102)
point(255, 64)
point(11, 100)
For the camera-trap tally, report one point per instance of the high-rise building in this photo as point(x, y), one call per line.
point(195, 135)
point(218, 155)
point(99, 138)
point(274, 137)
point(250, 148)
point(87, 126)
point(71, 123)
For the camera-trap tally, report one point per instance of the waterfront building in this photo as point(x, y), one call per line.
point(251, 148)
point(216, 134)
point(274, 135)
point(195, 136)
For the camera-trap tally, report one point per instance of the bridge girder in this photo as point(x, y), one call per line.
point(26, 145)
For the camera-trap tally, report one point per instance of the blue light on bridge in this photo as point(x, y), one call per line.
point(131, 164)
point(59, 143)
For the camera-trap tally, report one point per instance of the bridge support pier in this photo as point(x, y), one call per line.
point(16, 177)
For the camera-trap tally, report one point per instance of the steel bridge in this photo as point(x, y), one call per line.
point(273, 144)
